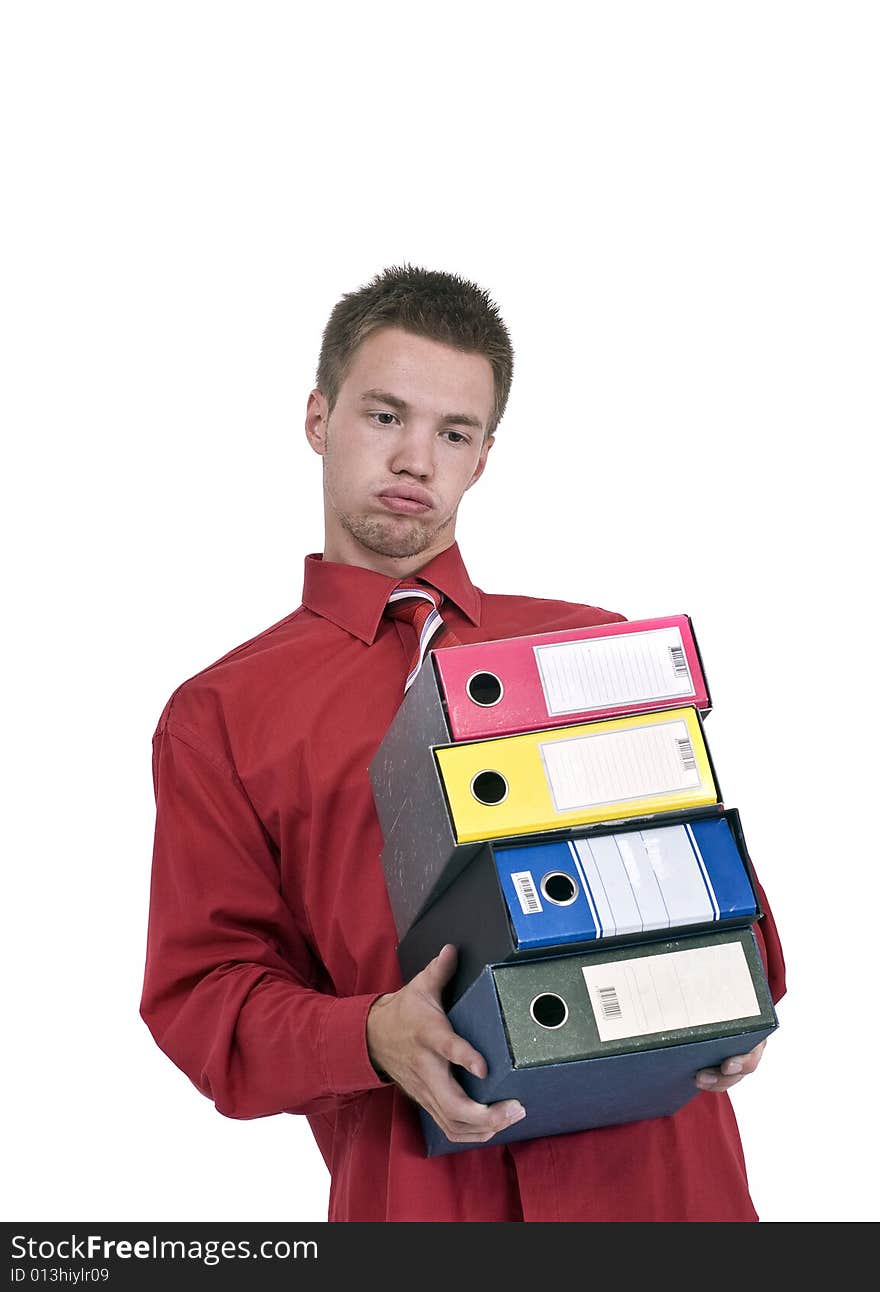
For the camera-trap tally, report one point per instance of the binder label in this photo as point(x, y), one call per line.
point(587, 771)
point(526, 892)
point(671, 990)
point(611, 671)
point(647, 879)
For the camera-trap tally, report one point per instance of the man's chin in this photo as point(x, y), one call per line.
point(391, 538)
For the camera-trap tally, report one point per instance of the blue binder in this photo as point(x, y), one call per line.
point(597, 887)
point(603, 886)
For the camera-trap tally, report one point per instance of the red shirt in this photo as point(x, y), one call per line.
point(270, 933)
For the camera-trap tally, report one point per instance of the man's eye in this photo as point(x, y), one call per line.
point(391, 415)
point(461, 439)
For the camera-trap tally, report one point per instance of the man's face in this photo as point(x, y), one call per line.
point(403, 443)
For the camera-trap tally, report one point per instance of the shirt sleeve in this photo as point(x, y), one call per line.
point(770, 947)
point(229, 985)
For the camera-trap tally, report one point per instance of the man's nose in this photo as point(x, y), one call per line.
point(414, 452)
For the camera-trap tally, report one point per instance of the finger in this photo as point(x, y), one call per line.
point(455, 1049)
point(441, 1042)
point(437, 972)
point(459, 1116)
point(732, 1070)
point(467, 1133)
point(715, 1084)
point(743, 1064)
point(463, 1116)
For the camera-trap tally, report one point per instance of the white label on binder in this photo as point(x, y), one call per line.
point(586, 771)
point(627, 668)
point(672, 990)
point(526, 892)
point(645, 879)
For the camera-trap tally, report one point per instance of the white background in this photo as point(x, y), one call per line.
point(675, 207)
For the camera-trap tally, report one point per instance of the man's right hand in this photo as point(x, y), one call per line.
point(411, 1040)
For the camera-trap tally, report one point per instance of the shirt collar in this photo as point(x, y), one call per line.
point(354, 598)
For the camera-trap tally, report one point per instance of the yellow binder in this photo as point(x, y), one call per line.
point(594, 771)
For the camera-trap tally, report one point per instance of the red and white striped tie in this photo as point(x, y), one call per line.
point(419, 605)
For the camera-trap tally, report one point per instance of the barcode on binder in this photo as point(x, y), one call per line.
point(609, 1003)
point(679, 663)
point(688, 757)
point(526, 892)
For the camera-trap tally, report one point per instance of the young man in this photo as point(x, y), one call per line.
point(271, 977)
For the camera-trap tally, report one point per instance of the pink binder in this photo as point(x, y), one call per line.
point(518, 684)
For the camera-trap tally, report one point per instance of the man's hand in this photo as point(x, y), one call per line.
point(731, 1071)
point(410, 1038)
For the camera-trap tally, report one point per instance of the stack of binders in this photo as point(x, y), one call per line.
point(549, 805)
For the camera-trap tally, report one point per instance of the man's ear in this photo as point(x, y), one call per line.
point(317, 417)
point(481, 464)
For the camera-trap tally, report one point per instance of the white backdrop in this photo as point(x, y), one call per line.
point(676, 209)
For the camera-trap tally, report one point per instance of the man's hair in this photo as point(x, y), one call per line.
point(429, 303)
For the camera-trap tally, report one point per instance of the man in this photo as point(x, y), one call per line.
point(271, 975)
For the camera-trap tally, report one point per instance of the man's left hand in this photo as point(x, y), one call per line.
point(731, 1071)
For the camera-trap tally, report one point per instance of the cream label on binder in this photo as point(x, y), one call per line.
point(612, 672)
point(618, 765)
point(662, 993)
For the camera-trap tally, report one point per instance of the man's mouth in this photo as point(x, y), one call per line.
point(411, 502)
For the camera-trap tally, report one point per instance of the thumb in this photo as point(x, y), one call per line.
point(437, 972)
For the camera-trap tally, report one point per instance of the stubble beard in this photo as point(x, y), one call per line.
point(390, 537)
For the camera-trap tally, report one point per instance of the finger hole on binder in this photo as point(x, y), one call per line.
point(489, 788)
point(549, 1010)
point(559, 888)
point(484, 689)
